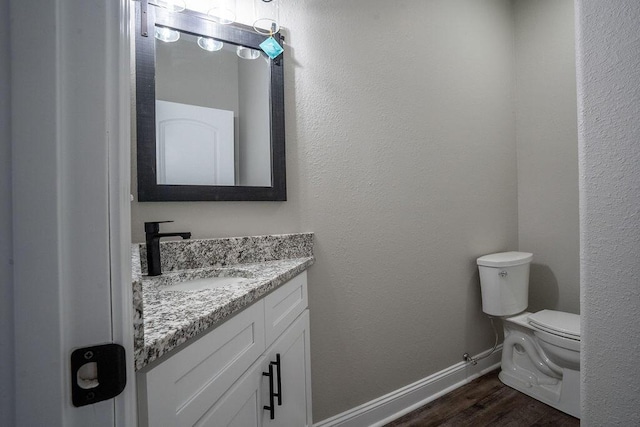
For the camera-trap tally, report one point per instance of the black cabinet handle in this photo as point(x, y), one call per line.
point(271, 407)
point(278, 372)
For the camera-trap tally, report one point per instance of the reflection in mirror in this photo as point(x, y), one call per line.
point(210, 110)
point(212, 114)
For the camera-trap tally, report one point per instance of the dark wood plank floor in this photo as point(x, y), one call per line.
point(485, 402)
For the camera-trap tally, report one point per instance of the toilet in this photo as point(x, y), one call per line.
point(541, 351)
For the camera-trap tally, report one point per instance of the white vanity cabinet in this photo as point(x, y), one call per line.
point(292, 347)
point(219, 380)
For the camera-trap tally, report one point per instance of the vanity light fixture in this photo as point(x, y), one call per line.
point(267, 22)
point(266, 16)
point(223, 12)
point(167, 35)
point(247, 53)
point(172, 5)
point(209, 44)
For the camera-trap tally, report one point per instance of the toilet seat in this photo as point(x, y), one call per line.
point(566, 325)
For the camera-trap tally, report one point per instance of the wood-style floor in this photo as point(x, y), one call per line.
point(485, 402)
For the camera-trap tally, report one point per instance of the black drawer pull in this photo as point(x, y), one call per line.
point(278, 372)
point(271, 407)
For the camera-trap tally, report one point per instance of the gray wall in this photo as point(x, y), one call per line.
point(6, 269)
point(408, 151)
point(401, 157)
point(547, 146)
point(608, 75)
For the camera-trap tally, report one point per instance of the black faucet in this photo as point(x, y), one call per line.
point(153, 235)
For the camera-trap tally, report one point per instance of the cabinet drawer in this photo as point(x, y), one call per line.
point(284, 305)
point(185, 386)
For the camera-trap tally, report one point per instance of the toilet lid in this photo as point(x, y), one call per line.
point(505, 259)
point(557, 322)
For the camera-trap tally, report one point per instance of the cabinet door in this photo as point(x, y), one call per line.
point(295, 379)
point(242, 405)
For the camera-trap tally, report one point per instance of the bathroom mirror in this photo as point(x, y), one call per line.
point(210, 110)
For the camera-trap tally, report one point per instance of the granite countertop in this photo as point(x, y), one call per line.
point(165, 319)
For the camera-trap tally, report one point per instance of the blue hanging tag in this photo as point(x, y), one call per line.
point(271, 47)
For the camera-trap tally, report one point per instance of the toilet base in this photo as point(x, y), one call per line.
point(564, 396)
point(525, 367)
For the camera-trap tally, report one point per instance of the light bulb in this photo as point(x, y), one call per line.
point(247, 53)
point(266, 16)
point(172, 5)
point(210, 45)
point(222, 15)
point(167, 34)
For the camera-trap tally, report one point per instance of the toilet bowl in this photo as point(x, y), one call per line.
point(541, 351)
point(559, 336)
point(541, 364)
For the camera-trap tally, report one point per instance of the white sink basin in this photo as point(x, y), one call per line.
point(204, 283)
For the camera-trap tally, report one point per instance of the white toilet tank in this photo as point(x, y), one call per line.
point(504, 282)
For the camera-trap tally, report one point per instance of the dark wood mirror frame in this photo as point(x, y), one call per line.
point(147, 16)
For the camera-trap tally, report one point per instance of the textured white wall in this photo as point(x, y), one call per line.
point(547, 146)
point(405, 125)
point(6, 270)
point(609, 126)
point(401, 158)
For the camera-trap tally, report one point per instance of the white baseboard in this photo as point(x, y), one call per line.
point(389, 407)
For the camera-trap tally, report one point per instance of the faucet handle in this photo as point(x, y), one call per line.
point(153, 226)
